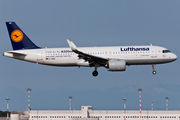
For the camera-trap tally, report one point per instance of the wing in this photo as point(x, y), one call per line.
point(87, 57)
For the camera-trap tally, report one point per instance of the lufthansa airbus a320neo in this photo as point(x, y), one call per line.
point(113, 58)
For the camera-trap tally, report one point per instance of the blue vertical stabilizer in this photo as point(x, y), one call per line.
point(18, 38)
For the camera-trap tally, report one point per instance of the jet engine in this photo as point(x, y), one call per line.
point(116, 65)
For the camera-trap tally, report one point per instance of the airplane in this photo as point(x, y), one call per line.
point(114, 58)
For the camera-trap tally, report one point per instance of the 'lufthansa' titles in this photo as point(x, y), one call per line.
point(135, 49)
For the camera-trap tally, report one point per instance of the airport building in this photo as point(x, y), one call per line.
point(86, 113)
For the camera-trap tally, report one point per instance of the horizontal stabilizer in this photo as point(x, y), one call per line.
point(16, 52)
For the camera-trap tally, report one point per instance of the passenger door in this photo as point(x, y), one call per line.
point(153, 52)
point(39, 56)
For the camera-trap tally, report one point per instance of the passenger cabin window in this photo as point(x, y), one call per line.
point(166, 51)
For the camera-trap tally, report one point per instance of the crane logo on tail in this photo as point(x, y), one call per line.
point(16, 35)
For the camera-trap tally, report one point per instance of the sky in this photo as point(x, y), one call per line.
point(48, 23)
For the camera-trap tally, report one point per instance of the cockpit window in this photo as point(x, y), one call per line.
point(166, 51)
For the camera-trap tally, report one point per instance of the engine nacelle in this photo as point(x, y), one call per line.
point(117, 65)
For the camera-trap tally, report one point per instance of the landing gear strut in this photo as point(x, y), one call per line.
point(154, 72)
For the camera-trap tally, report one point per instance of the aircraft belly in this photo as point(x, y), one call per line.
point(147, 61)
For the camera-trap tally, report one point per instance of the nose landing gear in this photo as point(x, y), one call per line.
point(153, 72)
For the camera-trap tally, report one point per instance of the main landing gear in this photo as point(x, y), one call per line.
point(153, 72)
point(95, 72)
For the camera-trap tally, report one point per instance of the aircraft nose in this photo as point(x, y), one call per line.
point(174, 56)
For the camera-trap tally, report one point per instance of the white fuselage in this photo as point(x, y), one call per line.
point(134, 55)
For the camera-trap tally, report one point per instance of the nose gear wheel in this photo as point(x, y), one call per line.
point(153, 72)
